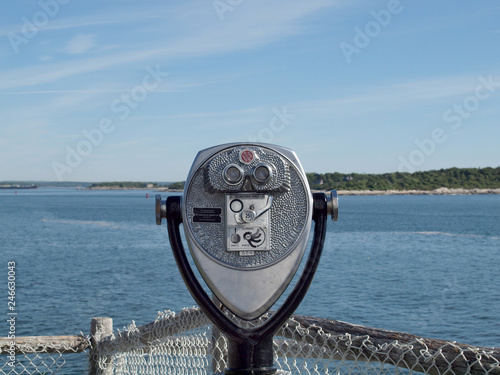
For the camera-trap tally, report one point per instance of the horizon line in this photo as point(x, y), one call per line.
point(173, 181)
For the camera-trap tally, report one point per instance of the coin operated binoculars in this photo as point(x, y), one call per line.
point(247, 212)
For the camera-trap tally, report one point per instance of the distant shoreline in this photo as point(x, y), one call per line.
point(160, 189)
point(440, 191)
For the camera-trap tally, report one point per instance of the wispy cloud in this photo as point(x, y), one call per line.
point(130, 144)
point(38, 75)
point(114, 88)
point(256, 25)
point(80, 44)
point(408, 93)
point(80, 22)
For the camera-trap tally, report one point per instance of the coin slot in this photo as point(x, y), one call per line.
point(236, 205)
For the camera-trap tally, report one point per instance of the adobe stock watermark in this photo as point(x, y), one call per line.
point(454, 116)
point(121, 107)
point(30, 27)
point(363, 37)
point(221, 7)
point(277, 124)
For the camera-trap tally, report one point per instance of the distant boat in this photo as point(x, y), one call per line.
point(17, 187)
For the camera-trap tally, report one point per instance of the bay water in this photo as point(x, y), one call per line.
point(426, 265)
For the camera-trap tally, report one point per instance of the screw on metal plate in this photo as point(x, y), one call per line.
point(161, 209)
point(333, 205)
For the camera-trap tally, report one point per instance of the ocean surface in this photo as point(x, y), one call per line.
point(426, 265)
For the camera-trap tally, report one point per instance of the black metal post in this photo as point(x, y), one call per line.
point(247, 358)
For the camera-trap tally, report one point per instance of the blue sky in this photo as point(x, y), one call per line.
point(132, 90)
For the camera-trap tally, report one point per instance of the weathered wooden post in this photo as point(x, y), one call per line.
point(99, 328)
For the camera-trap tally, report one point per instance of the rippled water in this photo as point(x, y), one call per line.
point(427, 265)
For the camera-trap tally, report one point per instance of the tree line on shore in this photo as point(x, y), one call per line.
point(465, 178)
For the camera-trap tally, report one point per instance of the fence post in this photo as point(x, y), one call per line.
point(99, 328)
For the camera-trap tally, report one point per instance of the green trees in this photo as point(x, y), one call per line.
point(466, 178)
point(176, 186)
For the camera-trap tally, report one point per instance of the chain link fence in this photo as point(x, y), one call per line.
point(39, 354)
point(185, 343)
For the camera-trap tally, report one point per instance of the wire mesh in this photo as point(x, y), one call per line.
point(187, 343)
point(36, 358)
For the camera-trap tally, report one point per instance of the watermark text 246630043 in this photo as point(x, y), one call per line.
point(11, 311)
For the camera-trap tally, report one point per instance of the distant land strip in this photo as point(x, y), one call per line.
point(443, 181)
point(440, 191)
point(427, 181)
point(437, 182)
